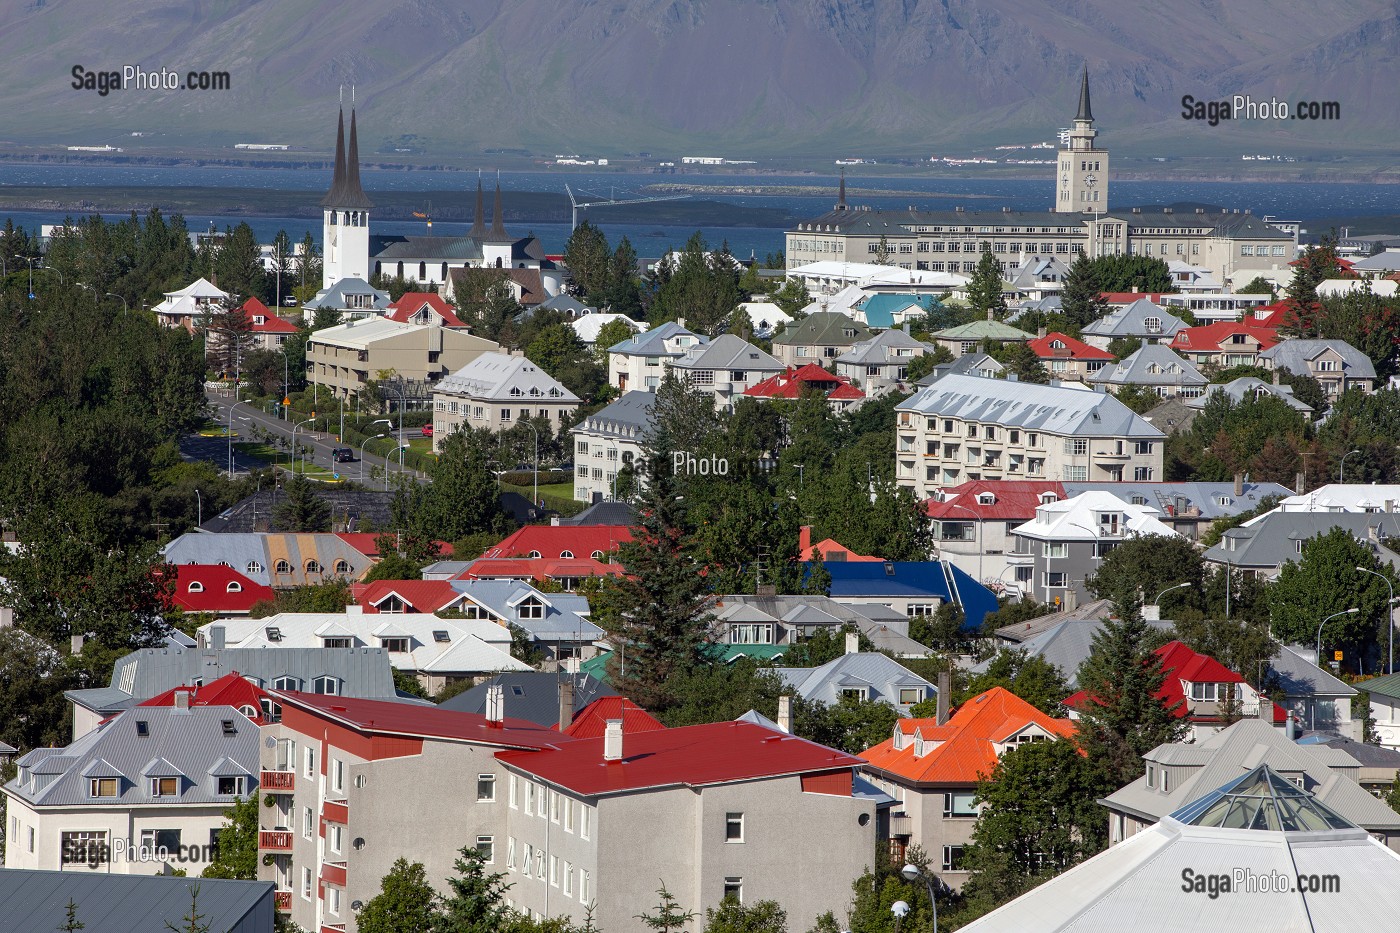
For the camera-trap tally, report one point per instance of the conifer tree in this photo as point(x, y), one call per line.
point(668, 916)
point(1081, 298)
point(476, 903)
point(301, 511)
point(984, 291)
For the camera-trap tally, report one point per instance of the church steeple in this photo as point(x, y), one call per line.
point(498, 226)
point(346, 193)
point(1081, 179)
point(1086, 113)
point(841, 193)
point(478, 229)
point(337, 173)
point(345, 212)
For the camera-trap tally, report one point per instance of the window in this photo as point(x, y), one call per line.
point(196, 587)
point(1055, 579)
point(287, 683)
point(254, 568)
point(527, 860)
point(103, 787)
point(327, 685)
point(734, 889)
point(1166, 781)
point(337, 775)
point(734, 827)
point(952, 858)
point(532, 609)
point(1055, 548)
point(855, 693)
point(165, 786)
point(313, 566)
point(585, 886)
point(960, 803)
point(1142, 474)
point(307, 819)
point(311, 762)
point(585, 821)
point(305, 883)
point(394, 645)
point(568, 814)
point(529, 798)
point(1142, 447)
point(441, 637)
point(486, 845)
point(1206, 692)
point(556, 803)
point(88, 848)
point(542, 810)
point(337, 642)
point(1076, 447)
point(539, 864)
point(282, 566)
point(229, 786)
point(335, 834)
point(554, 871)
point(568, 879)
point(486, 788)
point(510, 853)
point(342, 566)
point(333, 900)
point(908, 696)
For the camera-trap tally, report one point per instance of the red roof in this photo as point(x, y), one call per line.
point(271, 323)
point(963, 749)
point(690, 756)
point(1127, 298)
point(366, 542)
point(1215, 337)
point(561, 541)
point(811, 377)
point(410, 303)
point(1180, 663)
point(229, 690)
point(540, 569)
point(1069, 349)
point(216, 588)
point(829, 548)
point(387, 717)
point(419, 595)
point(592, 721)
point(1012, 500)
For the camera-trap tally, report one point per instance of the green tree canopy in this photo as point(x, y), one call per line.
point(301, 509)
point(406, 901)
point(984, 291)
point(237, 853)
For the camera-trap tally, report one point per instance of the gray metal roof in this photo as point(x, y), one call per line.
point(1024, 631)
point(1270, 541)
point(824, 329)
point(35, 901)
point(256, 555)
point(1294, 355)
point(880, 675)
point(335, 297)
point(629, 416)
point(1330, 774)
point(1131, 321)
point(565, 614)
point(532, 696)
point(1152, 365)
point(1299, 677)
point(1237, 389)
point(969, 364)
point(500, 377)
point(1050, 408)
point(728, 351)
point(880, 349)
point(1066, 645)
point(652, 342)
point(604, 513)
point(193, 741)
point(351, 507)
point(1210, 500)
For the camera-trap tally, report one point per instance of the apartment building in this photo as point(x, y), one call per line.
point(494, 391)
point(932, 768)
point(964, 428)
point(819, 338)
point(146, 790)
point(724, 368)
point(607, 441)
point(639, 362)
point(1335, 364)
point(345, 358)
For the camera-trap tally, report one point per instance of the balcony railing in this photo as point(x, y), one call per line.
point(278, 781)
point(282, 900)
point(275, 840)
point(901, 824)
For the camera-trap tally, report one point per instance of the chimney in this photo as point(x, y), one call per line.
point(945, 688)
point(989, 314)
point(216, 637)
point(785, 713)
point(566, 703)
point(1299, 483)
point(7, 617)
point(1266, 708)
point(612, 741)
point(355, 609)
point(1041, 332)
point(852, 642)
point(554, 521)
point(495, 704)
point(1239, 485)
point(75, 643)
point(182, 699)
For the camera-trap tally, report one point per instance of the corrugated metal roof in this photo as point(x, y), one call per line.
point(884, 675)
point(531, 695)
point(35, 902)
point(149, 671)
point(1055, 409)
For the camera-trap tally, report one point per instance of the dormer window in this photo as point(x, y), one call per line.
point(533, 555)
point(566, 555)
point(229, 785)
point(196, 587)
point(986, 498)
point(1207, 692)
point(395, 645)
point(287, 683)
point(233, 587)
point(165, 787)
point(104, 787)
point(254, 568)
point(283, 566)
point(337, 641)
point(531, 608)
point(313, 566)
point(327, 685)
point(342, 567)
point(597, 555)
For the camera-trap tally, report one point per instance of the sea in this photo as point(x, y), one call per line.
point(1306, 202)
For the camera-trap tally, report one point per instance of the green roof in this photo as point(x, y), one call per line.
point(983, 330)
point(596, 666)
point(730, 653)
point(1387, 686)
point(824, 328)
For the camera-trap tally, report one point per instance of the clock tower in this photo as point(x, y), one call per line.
point(1081, 170)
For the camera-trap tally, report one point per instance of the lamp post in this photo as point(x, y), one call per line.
point(293, 459)
point(912, 873)
point(199, 504)
point(386, 465)
point(1390, 620)
point(900, 909)
point(398, 388)
point(230, 436)
point(126, 309)
point(1345, 612)
point(362, 455)
point(31, 260)
point(1158, 601)
point(1342, 466)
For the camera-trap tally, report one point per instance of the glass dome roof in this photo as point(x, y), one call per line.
point(1261, 799)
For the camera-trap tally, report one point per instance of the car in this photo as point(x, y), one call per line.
point(343, 454)
point(427, 430)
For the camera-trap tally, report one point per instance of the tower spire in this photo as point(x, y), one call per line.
point(354, 194)
point(841, 195)
point(1086, 113)
point(478, 229)
point(498, 227)
point(338, 173)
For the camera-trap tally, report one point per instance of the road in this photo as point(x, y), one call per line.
point(317, 444)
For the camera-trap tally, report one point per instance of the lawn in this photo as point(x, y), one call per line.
point(557, 496)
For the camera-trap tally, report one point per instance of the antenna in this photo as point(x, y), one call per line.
point(342, 93)
point(352, 95)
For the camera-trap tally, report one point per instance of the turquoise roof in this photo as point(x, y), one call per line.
point(879, 309)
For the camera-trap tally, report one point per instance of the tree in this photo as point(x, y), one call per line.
point(1258, 286)
point(301, 510)
point(610, 335)
point(852, 724)
point(923, 364)
point(463, 499)
point(883, 252)
point(476, 902)
point(792, 297)
point(1139, 398)
point(586, 255)
point(1122, 717)
point(236, 854)
point(623, 294)
point(555, 347)
point(1020, 361)
point(1081, 297)
point(702, 287)
point(668, 915)
point(229, 338)
point(984, 291)
point(1325, 581)
point(194, 921)
point(1318, 263)
point(406, 901)
point(307, 263)
point(1031, 678)
point(1149, 564)
point(1038, 817)
point(734, 917)
point(238, 264)
point(71, 923)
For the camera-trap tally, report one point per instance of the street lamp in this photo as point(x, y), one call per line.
point(400, 449)
point(912, 873)
point(1345, 612)
point(1342, 466)
point(900, 909)
point(126, 309)
point(1390, 619)
point(31, 260)
point(362, 455)
point(230, 436)
point(199, 504)
point(526, 421)
point(1158, 600)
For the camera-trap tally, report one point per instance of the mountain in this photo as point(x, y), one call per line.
point(736, 78)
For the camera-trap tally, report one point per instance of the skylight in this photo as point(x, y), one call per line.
point(1263, 800)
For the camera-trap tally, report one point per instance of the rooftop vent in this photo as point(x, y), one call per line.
point(274, 633)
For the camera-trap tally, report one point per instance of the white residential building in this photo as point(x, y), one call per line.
point(725, 367)
point(638, 363)
point(189, 306)
point(607, 441)
point(494, 391)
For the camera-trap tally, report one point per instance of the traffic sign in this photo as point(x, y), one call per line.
point(1336, 656)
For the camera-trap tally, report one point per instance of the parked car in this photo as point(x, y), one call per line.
point(343, 454)
point(427, 430)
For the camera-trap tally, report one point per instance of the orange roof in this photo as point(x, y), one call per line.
point(539, 568)
point(1069, 348)
point(410, 303)
point(962, 750)
point(592, 721)
point(829, 548)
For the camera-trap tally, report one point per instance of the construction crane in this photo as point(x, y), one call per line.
point(611, 201)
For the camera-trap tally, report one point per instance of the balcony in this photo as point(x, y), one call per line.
point(283, 901)
point(901, 824)
point(280, 782)
point(274, 840)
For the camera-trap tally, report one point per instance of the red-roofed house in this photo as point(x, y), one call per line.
point(269, 330)
point(561, 542)
point(828, 548)
point(1196, 687)
point(932, 769)
point(592, 721)
point(792, 383)
point(229, 690)
point(566, 573)
point(367, 543)
point(423, 308)
point(394, 596)
point(216, 589)
point(972, 523)
point(1068, 358)
point(1227, 343)
point(1123, 299)
point(570, 821)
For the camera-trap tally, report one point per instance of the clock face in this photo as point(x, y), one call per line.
point(1090, 180)
point(1064, 180)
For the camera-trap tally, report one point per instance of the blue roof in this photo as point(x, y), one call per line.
point(879, 309)
point(930, 578)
